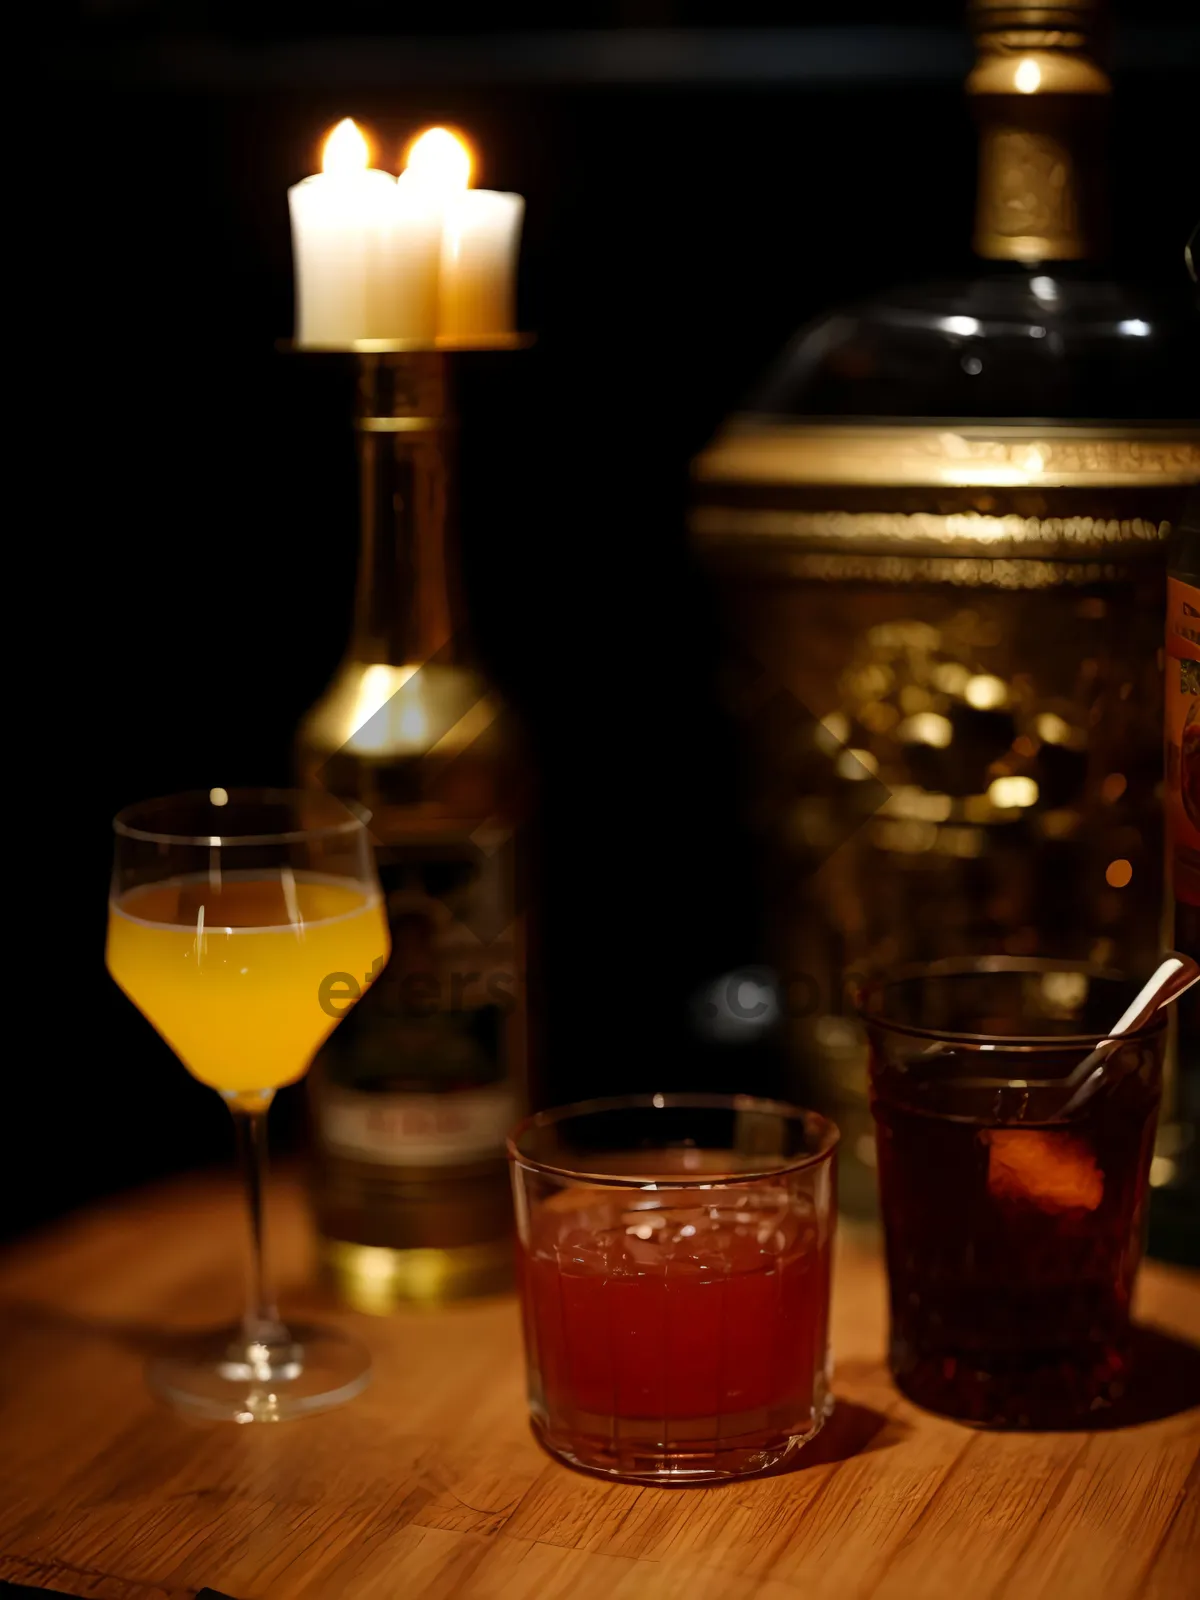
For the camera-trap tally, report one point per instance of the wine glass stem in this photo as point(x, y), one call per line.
point(261, 1321)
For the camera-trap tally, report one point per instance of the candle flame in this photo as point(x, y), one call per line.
point(440, 160)
point(345, 149)
point(1028, 76)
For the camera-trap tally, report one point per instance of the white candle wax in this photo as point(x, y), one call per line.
point(480, 241)
point(341, 224)
point(412, 263)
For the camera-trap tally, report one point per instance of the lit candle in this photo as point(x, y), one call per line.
point(342, 228)
point(480, 242)
point(480, 237)
point(438, 169)
point(418, 258)
point(412, 263)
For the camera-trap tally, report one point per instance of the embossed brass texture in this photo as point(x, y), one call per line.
point(972, 610)
point(1007, 507)
point(757, 451)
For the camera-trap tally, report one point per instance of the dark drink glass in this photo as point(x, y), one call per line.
point(674, 1265)
point(1014, 1219)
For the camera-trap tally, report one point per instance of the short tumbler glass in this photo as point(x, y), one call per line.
point(1013, 1207)
point(674, 1262)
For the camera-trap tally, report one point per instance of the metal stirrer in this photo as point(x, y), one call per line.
point(1174, 976)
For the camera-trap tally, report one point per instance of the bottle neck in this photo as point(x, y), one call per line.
point(1041, 102)
point(406, 609)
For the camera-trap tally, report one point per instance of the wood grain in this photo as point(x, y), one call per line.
point(430, 1485)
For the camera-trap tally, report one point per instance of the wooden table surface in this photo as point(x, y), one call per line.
point(430, 1484)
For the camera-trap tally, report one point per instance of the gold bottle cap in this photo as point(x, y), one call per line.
point(1028, 49)
point(1041, 15)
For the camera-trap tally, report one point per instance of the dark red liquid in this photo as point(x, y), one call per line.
point(684, 1333)
point(1013, 1242)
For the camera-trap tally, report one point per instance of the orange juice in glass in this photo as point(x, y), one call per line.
point(233, 919)
point(230, 973)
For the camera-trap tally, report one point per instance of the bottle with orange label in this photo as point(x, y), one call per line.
point(1183, 723)
point(1175, 1216)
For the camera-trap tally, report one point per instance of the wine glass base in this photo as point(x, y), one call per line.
point(220, 1377)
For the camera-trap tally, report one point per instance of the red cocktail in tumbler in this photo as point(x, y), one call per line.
point(675, 1268)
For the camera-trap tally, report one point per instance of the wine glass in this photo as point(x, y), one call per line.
point(242, 925)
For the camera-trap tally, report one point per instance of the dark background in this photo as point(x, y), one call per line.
point(701, 178)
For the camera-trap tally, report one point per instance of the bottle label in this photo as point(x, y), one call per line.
point(1183, 739)
point(423, 1069)
point(418, 1129)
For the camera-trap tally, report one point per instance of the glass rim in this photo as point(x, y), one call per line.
point(984, 966)
point(830, 1138)
point(354, 820)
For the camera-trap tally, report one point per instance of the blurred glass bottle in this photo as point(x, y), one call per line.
point(414, 1093)
point(939, 526)
point(1175, 1212)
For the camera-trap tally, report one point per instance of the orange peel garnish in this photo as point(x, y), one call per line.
point(1053, 1170)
